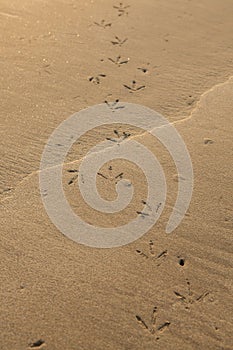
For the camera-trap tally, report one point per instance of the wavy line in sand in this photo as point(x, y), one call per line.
point(195, 109)
point(9, 15)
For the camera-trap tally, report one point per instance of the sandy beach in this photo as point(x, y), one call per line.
point(161, 291)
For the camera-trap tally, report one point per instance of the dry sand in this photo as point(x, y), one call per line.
point(162, 291)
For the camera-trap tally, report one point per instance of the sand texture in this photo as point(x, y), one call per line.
point(163, 291)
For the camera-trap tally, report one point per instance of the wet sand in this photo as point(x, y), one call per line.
point(162, 291)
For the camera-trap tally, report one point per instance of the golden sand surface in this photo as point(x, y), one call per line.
point(163, 291)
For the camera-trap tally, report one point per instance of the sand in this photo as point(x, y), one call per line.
point(163, 291)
